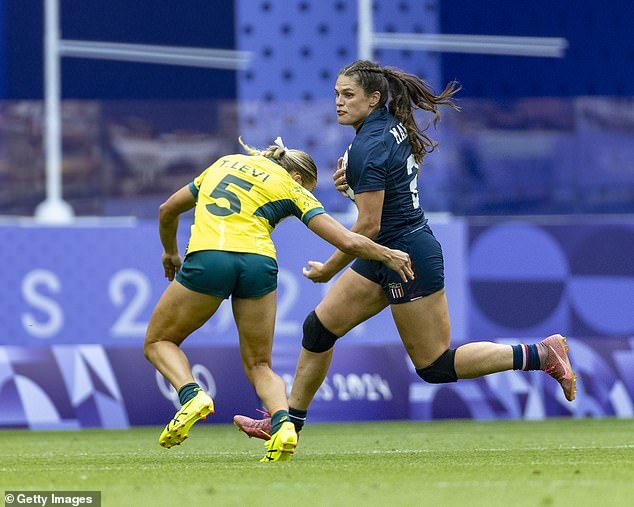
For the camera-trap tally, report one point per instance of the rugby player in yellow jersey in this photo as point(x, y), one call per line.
point(238, 201)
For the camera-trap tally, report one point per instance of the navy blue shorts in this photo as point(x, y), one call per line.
point(427, 262)
point(220, 274)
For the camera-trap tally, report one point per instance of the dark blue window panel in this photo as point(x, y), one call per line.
point(599, 60)
point(201, 24)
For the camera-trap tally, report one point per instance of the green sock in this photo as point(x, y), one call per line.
point(187, 392)
point(277, 419)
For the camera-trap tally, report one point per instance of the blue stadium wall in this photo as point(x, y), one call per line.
point(200, 24)
point(3, 43)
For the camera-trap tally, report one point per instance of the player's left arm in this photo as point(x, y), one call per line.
point(169, 215)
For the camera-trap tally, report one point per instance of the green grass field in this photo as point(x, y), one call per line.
point(561, 462)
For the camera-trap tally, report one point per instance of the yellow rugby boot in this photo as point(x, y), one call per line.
point(177, 430)
point(282, 444)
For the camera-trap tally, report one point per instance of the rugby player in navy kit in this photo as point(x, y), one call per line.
point(379, 171)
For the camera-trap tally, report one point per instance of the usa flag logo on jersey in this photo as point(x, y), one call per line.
point(396, 290)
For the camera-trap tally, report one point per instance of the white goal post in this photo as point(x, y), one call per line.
point(369, 40)
point(54, 209)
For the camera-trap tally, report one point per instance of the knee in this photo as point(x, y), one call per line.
point(441, 371)
point(257, 364)
point(316, 337)
point(151, 346)
point(147, 349)
point(254, 366)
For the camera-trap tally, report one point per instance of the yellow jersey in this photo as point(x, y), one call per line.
point(239, 201)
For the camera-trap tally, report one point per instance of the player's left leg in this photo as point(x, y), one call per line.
point(179, 312)
point(423, 325)
point(192, 411)
point(258, 428)
point(424, 328)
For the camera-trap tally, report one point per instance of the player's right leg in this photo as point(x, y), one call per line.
point(352, 299)
point(255, 319)
point(281, 445)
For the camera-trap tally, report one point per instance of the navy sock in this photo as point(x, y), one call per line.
point(525, 357)
point(187, 392)
point(277, 419)
point(298, 418)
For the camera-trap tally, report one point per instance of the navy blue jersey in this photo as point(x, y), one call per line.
point(380, 158)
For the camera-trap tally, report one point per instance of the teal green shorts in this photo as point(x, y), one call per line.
point(221, 274)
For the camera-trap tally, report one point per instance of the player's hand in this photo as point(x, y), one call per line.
point(339, 178)
point(316, 272)
point(401, 263)
point(171, 265)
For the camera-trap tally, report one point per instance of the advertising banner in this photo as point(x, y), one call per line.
point(84, 386)
point(90, 284)
point(536, 278)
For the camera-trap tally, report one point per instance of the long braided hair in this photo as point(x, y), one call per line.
point(406, 93)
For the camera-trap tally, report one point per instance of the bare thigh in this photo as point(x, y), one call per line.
point(352, 299)
point(423, 326)
point(255, 319)
point(179, 312)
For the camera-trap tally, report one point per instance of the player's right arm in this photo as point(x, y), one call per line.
point(169, 214)
point(368, 224)
point(355, 245)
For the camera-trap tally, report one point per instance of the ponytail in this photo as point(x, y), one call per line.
point(294, 161)
point(406, 93)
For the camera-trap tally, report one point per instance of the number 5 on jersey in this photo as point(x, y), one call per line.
point(221, 191)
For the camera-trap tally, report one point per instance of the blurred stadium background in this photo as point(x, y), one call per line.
point(531, 193)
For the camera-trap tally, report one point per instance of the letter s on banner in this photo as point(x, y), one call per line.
point(55, 320)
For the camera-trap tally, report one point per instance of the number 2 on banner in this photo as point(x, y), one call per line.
point(128, 325)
